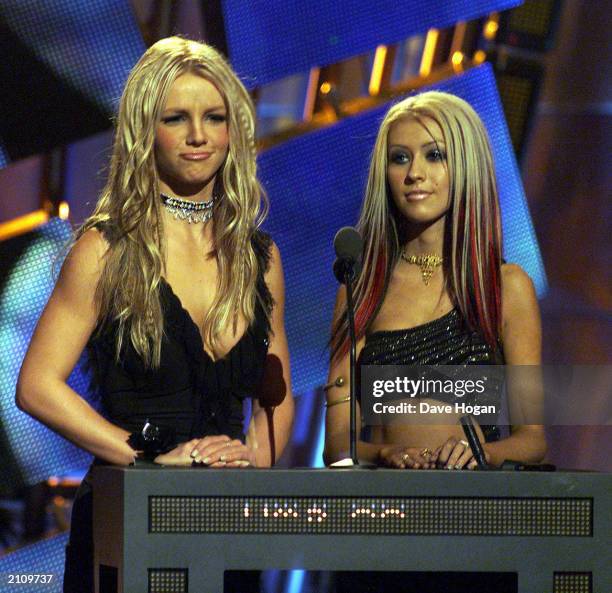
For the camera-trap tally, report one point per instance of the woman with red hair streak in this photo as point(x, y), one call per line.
point(433, 289)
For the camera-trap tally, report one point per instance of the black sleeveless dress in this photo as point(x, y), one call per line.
point(189, 392)
point(443, 341)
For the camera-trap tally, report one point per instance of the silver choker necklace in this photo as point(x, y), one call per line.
point(192, 212)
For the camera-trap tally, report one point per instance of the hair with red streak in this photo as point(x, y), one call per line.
point(472, 244)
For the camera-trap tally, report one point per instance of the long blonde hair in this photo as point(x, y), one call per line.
point(128, 289)
point(472, 240)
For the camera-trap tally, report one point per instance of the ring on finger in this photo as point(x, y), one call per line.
point(405, 457)
point(426, 452)
point(464, 443)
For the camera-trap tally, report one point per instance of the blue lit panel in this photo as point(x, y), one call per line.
point(316, 184)
point(92, 44)
point(33, 451)
point(64, 64)
point(271, 39)
point(42, 558)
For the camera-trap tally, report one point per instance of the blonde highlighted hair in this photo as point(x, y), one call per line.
point(129, 206)
point(472, 242)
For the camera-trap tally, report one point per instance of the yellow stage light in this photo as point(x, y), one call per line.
point(490, 29)
point(377, 70)
point(23, 224)
point(63, 211)
point(428, 52)
point(479, 56)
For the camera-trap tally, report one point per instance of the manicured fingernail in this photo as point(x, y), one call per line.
point(223, 458)
point(449, 467)
point(244, 463)
point(457, 466)
point(206, 460)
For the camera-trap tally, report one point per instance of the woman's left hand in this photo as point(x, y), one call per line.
point(221, 451)
point(402, 457)
point(456, 454)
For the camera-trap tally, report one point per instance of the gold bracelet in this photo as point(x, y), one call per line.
point(338, 401)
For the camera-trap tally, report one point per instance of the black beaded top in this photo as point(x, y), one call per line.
point(443, 341)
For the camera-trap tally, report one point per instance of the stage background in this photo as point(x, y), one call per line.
point(64, 64)
point(565, 168)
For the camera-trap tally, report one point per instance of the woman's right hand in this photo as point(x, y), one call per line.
point(402, 457)
point(211, 451)
point(179, 456)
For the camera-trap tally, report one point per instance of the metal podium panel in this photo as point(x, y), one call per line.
point(177, 530)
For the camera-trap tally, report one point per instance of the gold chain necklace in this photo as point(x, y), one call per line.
point(428, 264)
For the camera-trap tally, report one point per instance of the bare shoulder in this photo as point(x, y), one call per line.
point(84, 262)
point(522, 332)
point(275, 255)
point(274, 274)
point(518, 291)
point(515, 281)
point(90, 248)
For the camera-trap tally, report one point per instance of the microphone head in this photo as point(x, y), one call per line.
point(348, 244)
point(346, 269)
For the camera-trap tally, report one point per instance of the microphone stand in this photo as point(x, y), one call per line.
point(348, 247)
point(350, 313)
point(467, 423)
point(348, 277)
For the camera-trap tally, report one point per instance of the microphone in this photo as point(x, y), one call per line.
point(467, 423)
point(348, 246)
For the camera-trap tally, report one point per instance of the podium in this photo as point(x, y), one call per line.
point(161, 530)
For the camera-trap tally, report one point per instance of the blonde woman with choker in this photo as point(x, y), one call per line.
point(173, 290)
point(433, 289)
